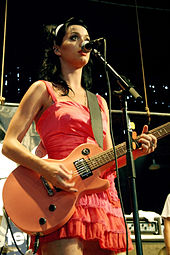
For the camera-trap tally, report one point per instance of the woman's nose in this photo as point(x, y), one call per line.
point(81, 41)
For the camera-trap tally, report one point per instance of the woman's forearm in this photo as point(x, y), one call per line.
point(167, 234)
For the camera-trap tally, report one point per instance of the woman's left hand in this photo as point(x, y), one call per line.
point(148, 141)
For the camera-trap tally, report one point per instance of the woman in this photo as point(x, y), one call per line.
point(60, 110)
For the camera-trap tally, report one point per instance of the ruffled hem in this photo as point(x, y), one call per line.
point(100, 201)
point(93, 224)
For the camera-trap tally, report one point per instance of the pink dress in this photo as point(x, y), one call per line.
point(98, 215)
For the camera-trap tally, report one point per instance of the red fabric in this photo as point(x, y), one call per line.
point(98, 215)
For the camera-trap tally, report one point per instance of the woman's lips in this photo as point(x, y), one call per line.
point(82, 53)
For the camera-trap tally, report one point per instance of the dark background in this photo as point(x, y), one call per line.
point(117, 22)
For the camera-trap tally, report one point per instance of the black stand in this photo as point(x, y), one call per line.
point(121, 80)
point(128, 88)
point(131, 174)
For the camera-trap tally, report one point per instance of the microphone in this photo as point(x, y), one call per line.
point(87, 46)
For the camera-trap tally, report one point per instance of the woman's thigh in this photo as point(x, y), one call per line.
point(63, 247)
point(74, 246)
point(93, 247)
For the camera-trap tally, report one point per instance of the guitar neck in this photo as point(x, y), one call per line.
point(107, 156)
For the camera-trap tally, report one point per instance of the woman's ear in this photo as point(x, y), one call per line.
point(56, 50)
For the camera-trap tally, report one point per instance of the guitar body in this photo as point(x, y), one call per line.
point(27, 201)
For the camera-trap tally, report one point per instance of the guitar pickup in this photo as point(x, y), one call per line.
point(83, 168)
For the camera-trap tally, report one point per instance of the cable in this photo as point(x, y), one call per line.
point(114, 145)
point(9, 226)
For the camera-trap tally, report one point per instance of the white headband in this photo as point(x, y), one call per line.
point(58, 28)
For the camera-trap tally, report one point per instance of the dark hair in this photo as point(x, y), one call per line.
point(50, 68)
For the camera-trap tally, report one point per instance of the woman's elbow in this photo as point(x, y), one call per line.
point(4, 148)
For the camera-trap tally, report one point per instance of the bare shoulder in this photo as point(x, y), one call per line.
point(37, 86)
point(34, 100)
point(39, 97)
point(36, 92)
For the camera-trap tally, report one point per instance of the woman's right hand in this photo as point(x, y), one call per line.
point(59, 176)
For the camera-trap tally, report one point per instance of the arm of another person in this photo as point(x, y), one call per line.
point(145, 139)
point(167, 234)
point(31, 105)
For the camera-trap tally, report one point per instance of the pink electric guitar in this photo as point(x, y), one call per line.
point(35, 206)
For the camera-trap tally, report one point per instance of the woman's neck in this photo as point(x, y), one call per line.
point(73, 78)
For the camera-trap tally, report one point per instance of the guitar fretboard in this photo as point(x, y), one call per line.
point(107, 156)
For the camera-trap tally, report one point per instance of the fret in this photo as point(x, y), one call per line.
point(101, 159)
point(105, 157)
point(161, 131)
point(121, 151)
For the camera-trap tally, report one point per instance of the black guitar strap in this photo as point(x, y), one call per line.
point(96, 117)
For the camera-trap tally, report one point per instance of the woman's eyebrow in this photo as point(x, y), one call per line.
point(75, 32)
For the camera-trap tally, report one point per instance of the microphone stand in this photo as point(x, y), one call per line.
point(127, 88)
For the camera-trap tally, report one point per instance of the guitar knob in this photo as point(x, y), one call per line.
point(42, 221)
point(52, 208)
point(85, 151)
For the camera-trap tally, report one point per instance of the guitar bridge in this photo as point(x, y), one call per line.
point(83, 168)
point(47, 186)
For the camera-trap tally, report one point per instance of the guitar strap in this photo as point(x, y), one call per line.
point(96, 117)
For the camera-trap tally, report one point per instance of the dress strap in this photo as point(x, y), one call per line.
point(96, 117)
point(50, 90)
